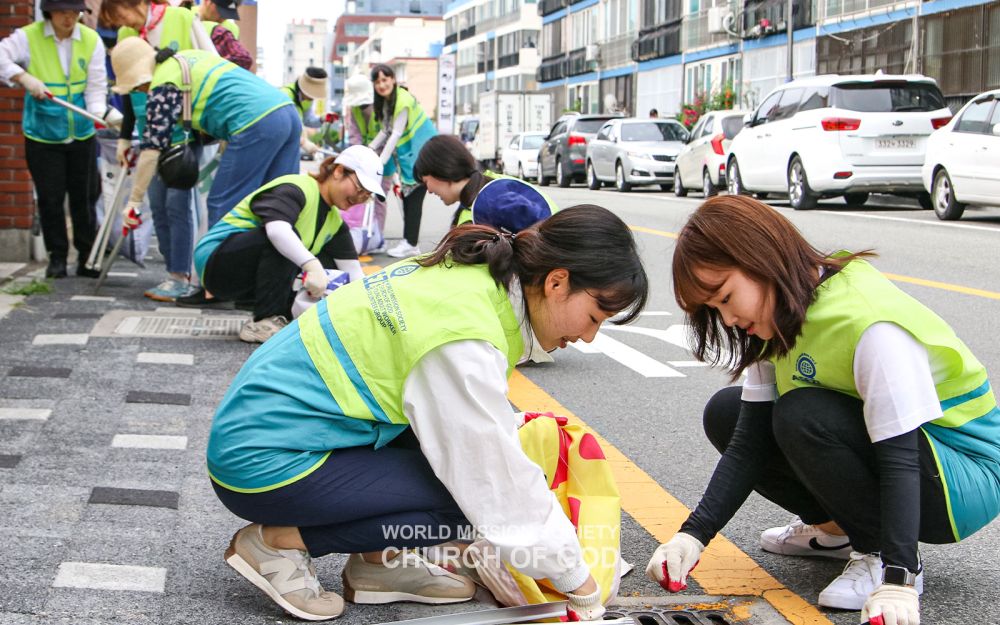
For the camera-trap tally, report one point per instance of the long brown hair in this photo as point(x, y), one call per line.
point(109, 7)
point(590, 242)
point(327, 167)
point(738, 232)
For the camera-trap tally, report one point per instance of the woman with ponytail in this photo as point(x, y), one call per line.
point(378, 420)
point(450, 172)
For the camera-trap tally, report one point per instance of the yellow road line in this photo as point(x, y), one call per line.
point(724, 569)
point(934, 284)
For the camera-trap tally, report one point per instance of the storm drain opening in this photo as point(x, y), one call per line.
point(145, 324)
point(670, 617)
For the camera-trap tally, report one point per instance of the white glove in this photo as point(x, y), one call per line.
point(680, 555)
point(890, 604)
point(585, 607)
point(131, 216)
point(309, 147)
point(314, 279)
point(32, 85)
point(121, 152)
point(113, 117)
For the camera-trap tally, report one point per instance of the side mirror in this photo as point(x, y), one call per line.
point(996, 129)
point(748, 119)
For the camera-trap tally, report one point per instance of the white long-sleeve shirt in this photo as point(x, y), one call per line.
point(456, 401)
point(15, 56)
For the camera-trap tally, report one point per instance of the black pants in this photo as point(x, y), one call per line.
point(58, 169)
point(828, 468)
point(247, 267)
point(413, 210)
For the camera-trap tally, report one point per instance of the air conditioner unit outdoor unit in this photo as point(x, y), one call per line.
point(593, 53)
point(717, 17)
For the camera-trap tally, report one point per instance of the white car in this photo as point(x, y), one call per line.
point(631, 152)
point(832, 135)
point(520, 156)
point(702, 162)
point(963, 158)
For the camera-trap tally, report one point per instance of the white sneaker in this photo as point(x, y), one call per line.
point(407, 577)
point(260, 331)
point(800, 539)
point(403, 250)
point(861, 576)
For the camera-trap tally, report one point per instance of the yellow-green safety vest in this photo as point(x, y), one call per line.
point(419, 130)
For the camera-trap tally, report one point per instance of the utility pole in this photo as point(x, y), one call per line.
point(789, 29)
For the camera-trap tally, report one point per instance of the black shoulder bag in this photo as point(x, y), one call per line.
point(178, 165)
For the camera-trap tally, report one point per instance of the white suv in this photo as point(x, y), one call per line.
point(833, 135)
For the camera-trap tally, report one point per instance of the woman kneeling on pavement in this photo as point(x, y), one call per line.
point(380, 416)
point(448, 170)
point(291, 224)
point(862, 412)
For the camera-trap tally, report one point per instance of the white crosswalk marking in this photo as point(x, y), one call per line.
point(165, 358)
point(91, 298)
point(27, 414)
point(60, 339)
point(110, 577)
point(149, 441)
point(631, 358)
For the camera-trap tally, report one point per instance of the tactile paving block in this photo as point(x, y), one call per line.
point(39, 372)
point(134, 497)
point(148, 397)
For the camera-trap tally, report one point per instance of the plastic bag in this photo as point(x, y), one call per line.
point(334, 280)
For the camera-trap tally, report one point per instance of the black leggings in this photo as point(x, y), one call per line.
point(827, 467)
point(413, 210)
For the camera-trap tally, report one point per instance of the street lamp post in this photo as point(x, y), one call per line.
point(791, 37)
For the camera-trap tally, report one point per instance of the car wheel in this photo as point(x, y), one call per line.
point(946, 207)
point(856, 199)
point(925, 201)
point(734, 184)
point(707, 186)
point(800, 196)
point(540, 177)
point(561, 178)
point(593, 183)
point(621, 184)
point(679, 189)
point(520, 171)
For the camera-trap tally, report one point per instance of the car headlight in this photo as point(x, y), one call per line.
point(640, 155)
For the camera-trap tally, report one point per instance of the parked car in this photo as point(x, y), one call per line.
point(703, 160)
point(832, 135)
point(520, 156)
point(631, 152)
point(564, 152)
point(963, 158)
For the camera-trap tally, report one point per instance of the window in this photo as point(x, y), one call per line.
point(887, 97)
point(604, 133)
point(974, 118)
point(815, 98)
point(341, 49)
point(788, 105)
point(732, 125)
point(709, 124)
point(994, 120)
point(767, 108)
point(312, 44)
point(532, 142)
point(652, 131)
point(356, 29)
point(559, 129)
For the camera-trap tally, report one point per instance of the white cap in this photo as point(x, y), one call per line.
point(367, 165)
point(358, 91)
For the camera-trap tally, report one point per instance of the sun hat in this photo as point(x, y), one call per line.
point(312, 83)
point(367, 165)
point(358, 91)
point(510, 205)
point(63, 5)
point(133, 61)
point(228, 9)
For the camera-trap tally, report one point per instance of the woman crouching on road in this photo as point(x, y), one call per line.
point(862, 412)
point(384, 407)
point(290, 225)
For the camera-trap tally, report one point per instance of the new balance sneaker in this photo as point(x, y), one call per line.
point(861, 576)
point(407, 577)
point(170, 290)
point(800, 539)
point(403, 250)
point(260, 331)
point(287, 576)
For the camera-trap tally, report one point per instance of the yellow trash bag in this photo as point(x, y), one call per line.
point(579, 475)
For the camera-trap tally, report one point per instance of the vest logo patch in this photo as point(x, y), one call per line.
point(82, 63)
point(405, 270)
point(806, 368)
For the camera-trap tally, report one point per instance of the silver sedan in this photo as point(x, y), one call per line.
point(630, 152)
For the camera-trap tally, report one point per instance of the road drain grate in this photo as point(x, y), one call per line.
point(670, 617)
point(171, 326)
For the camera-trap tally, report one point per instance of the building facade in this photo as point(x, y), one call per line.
point(636, 55)
point(305, 46)
point(495, 48)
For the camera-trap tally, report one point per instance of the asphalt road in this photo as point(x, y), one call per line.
point(656, 421)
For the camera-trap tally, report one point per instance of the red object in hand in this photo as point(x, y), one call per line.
point(876, 620)
point(571, 616)
point(670, 585)
point(397, 190)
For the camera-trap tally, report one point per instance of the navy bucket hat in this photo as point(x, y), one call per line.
point(509, 205)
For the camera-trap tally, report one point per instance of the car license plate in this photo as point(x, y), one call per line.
point(895, 143)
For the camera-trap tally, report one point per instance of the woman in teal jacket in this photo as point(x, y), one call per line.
point(371, 423)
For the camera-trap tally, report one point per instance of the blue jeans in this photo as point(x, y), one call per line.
point(173, 220)
point(267, 149)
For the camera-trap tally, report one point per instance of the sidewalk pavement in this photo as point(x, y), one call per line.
point(106, 511)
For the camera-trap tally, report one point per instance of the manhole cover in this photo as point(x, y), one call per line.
point(670, 617)
point(122, 323)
